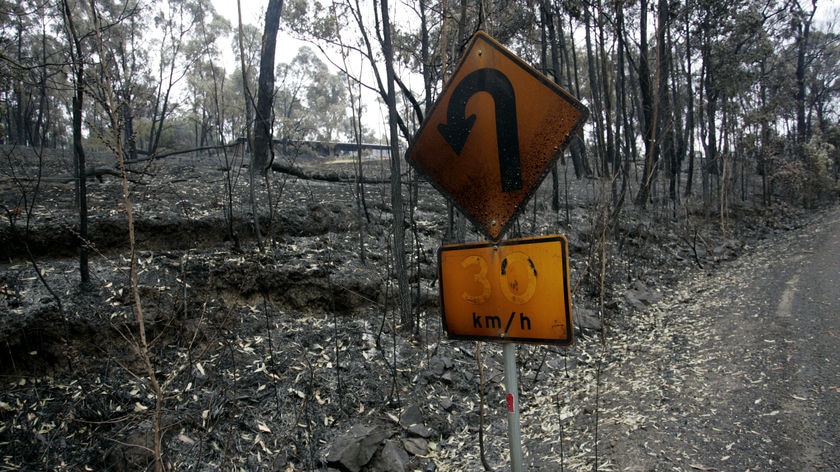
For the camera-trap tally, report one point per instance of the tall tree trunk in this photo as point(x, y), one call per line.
point(265, 92)
point(128, 130)
point(39, 132)
point(553, 70)
point(646, 89)
point(803, 34)
point(425, 47)
point(577, 147)
point(77, 62)
point(623, 157)
point(160, 111)
point(665, 122)
point(406, 315)
point(19, 131)
point(606, 99)
point(689, 120)
point(129, 65)
point(712, 94)
point(765, 140)
point(253, 170)
point(594, 86)
point(263, 152)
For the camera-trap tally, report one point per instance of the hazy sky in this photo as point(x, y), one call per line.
point(252, 12)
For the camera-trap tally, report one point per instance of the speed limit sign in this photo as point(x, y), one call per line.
point(513, 291)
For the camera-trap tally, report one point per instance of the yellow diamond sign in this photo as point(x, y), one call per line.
point(493, 134)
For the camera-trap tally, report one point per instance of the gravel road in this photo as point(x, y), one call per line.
point(739, 368)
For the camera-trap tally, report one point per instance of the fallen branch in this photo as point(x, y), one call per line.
point(182, 151)
point(325, 177)
point(90, 172)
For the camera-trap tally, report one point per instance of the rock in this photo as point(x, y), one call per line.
point(416, 446)
point(392, 458)
point(586, 319)
point(420, 431)
point(650, 297)
point(632, 298)
point(411, 416)
point(353, 450)
point(439, 364)
point(640, 297)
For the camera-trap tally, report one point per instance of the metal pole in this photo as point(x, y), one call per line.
point(514, 430)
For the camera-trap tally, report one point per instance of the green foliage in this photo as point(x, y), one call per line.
point(311, 102)
point(807, 176)
point(820, 159)
point(788, 180)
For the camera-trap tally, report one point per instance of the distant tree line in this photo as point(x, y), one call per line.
point(683, 94)
point(175, 90)
point(697, 92)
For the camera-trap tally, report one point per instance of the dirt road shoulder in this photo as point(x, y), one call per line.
point(737, 369)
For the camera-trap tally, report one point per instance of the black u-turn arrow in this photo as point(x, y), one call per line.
point(458, 126)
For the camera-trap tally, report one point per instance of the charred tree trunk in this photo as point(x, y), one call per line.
point(406, 315)
point(689, 120)
point(665, 111)
point(623, 156)
point(553, 69)
point(594, 86)
point(803, 131)
point(577, 148)
point(77, 61)
point(646, 89)
point(265, 91)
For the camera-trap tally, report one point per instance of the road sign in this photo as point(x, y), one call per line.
point(493, 134)
point(513, 291)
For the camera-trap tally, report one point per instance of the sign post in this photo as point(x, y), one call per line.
point(512, 291)
point(512, 387)
point(488, 142)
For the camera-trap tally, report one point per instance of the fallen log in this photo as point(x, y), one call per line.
point(90, 172)
point(152, 157)
point(324, 177)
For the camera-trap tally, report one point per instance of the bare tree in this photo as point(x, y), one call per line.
point(110, 103)
point(77, 65)
point(265, 92)
point(406, 314)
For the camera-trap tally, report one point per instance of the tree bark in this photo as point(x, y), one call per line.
point(649, 122)
point(689, 120)
point(406, 315)
point(265, 91)
point(594, 86)
point(803, 131)
point(577, 148)
point(547, 17)
point(79, 165)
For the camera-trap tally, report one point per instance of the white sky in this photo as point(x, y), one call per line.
point(287, 49)
point(252, 13)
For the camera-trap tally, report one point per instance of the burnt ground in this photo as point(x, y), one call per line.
point(267, 358)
